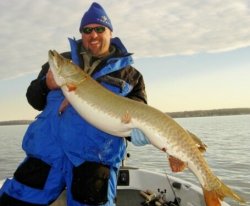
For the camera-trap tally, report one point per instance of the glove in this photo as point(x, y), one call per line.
point(138, 138)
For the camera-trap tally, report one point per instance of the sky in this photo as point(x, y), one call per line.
point(193, 54)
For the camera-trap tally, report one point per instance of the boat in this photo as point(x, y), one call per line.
point(146, 188)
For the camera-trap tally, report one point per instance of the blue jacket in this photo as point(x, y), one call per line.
point(51, 136)
point(41, 139)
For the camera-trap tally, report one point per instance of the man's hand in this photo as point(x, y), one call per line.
point(63, 106)
point(50, 81)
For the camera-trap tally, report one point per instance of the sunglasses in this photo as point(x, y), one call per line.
point(88, 30)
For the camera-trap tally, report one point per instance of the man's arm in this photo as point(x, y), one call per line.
point(135, 79)
point(37, 91)
point(138, 92)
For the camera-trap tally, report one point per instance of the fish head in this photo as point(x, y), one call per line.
point(63, 69)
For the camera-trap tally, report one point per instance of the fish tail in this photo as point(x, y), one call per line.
point(214, 197)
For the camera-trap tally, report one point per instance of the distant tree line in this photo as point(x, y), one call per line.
point(212, 112)
point(15, 122)
point(196, 113)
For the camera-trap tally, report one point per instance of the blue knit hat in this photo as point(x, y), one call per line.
point(96, 15)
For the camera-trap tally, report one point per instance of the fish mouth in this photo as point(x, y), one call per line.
point(54, 66)
point(54, 59)
point(52, 54)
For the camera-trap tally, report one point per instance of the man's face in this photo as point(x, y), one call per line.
point(96, 40)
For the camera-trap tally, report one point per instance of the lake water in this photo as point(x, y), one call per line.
point(228, 152)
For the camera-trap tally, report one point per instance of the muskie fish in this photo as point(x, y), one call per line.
point(117, 115)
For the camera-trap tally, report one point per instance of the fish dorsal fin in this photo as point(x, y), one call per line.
point(201, 146)
point(176, 164)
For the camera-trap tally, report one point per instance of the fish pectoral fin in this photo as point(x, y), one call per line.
point(176, 164)
point(126, 118)
point(71, 87)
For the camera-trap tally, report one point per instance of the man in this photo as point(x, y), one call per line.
point(64, 151)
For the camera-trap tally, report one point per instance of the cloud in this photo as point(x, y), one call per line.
point(148, 28)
